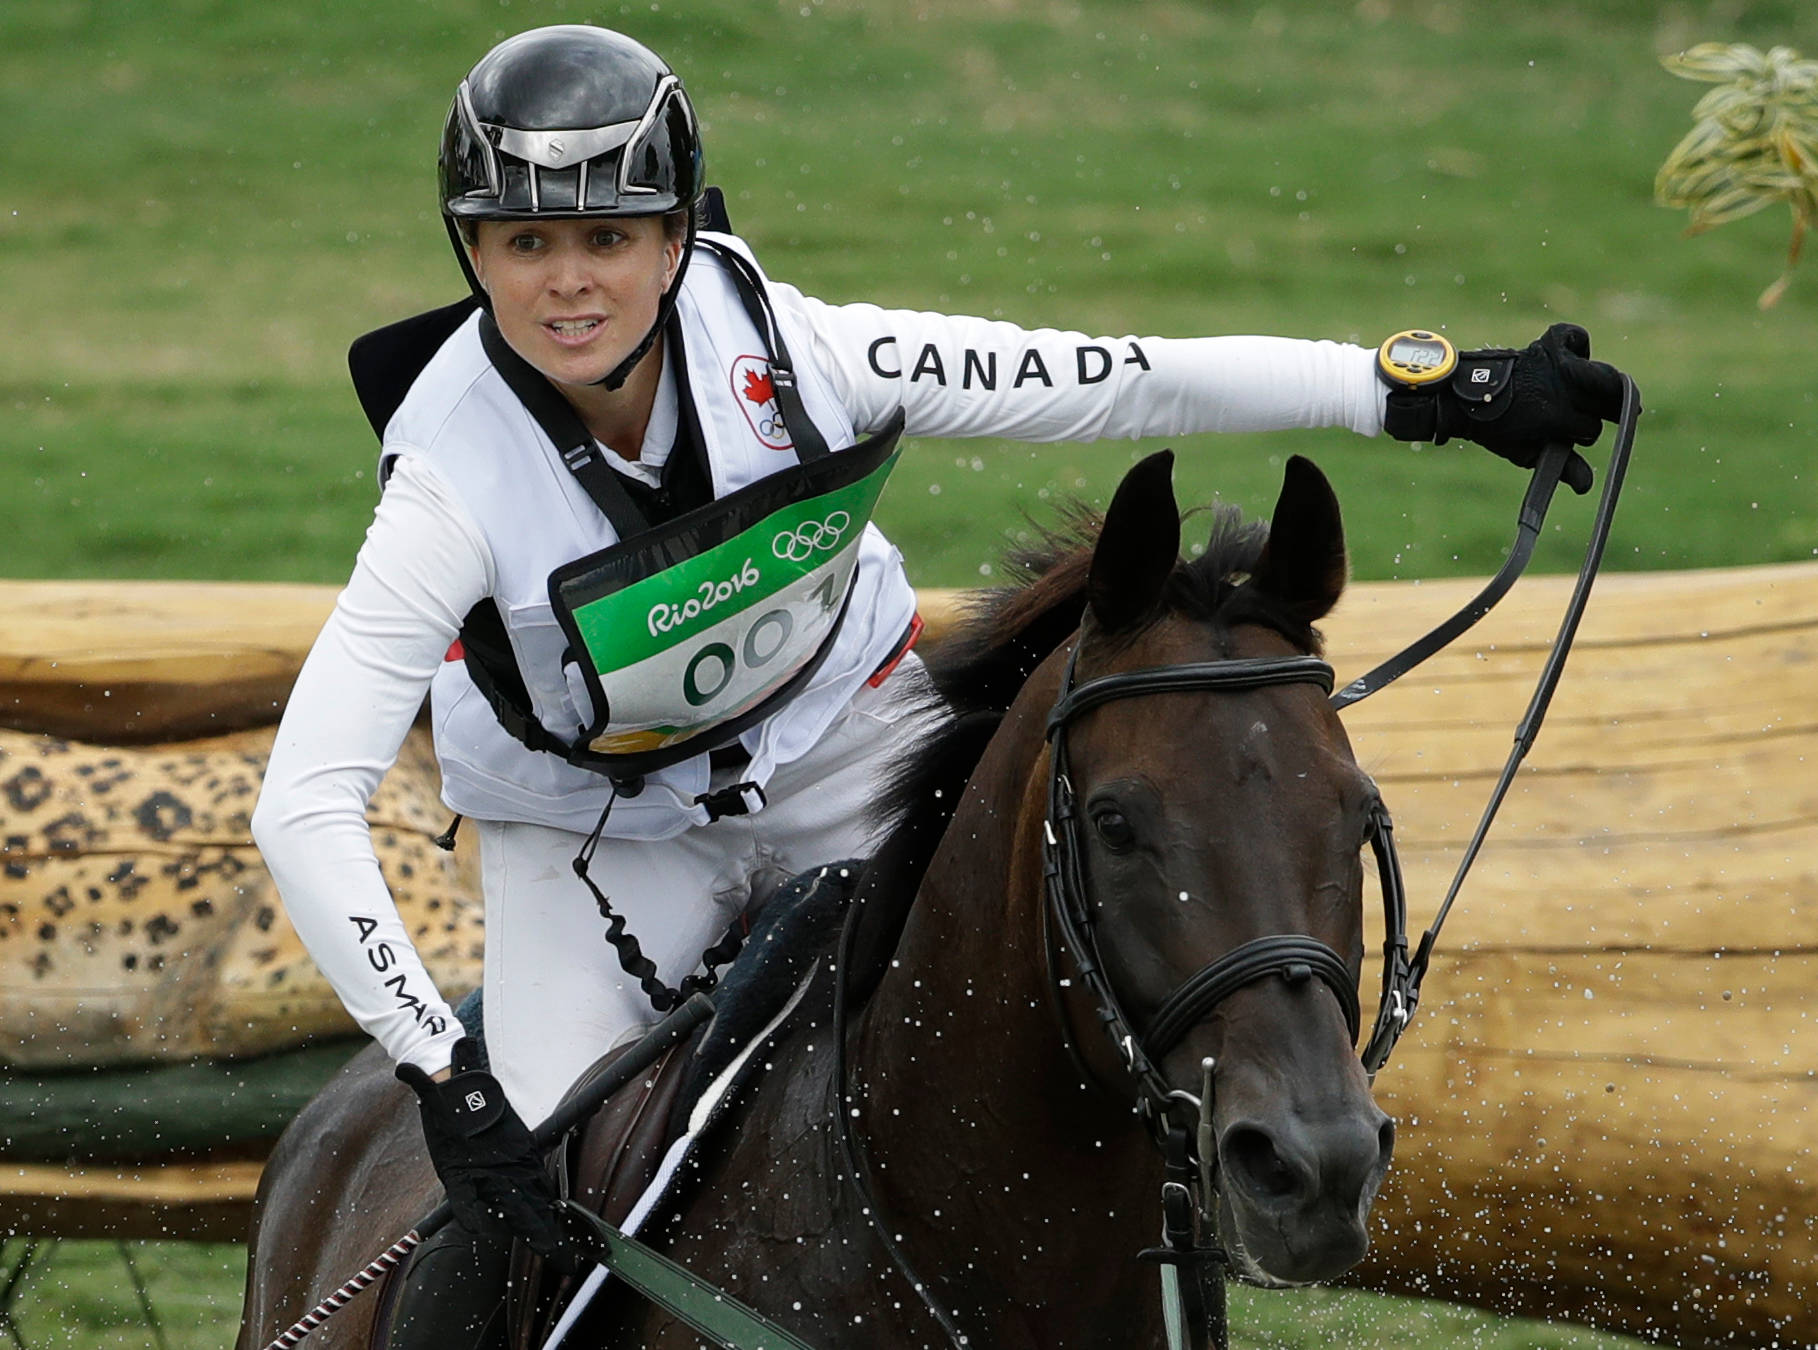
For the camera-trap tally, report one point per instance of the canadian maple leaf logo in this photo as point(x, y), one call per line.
point(759, 389)
point(753, 386)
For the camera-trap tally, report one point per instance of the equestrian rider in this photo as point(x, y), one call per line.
point(623, 544)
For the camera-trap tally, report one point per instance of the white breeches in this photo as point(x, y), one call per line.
point(555, 995)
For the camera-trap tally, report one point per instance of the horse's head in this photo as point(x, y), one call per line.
point(1210, 817)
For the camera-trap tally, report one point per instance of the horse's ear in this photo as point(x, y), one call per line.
point(1303, 565)
point(1137, 548)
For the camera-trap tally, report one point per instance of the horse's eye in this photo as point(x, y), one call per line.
point(1114, 829)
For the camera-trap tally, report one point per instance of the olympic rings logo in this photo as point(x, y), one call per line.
point(811, 537)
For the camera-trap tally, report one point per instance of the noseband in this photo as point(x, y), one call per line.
point(1295, 957)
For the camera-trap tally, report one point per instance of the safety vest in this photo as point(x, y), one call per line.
point(599, 658)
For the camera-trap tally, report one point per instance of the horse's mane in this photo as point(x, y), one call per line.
point(978, 671)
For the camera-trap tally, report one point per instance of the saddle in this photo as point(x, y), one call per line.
point(613, 1163)
point(608, 1166)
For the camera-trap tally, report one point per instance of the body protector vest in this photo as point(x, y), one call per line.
point(615, 649)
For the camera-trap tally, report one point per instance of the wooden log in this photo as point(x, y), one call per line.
point(138, 923)
point(1604, 1105)
point(131, 662)
point(197, 1200)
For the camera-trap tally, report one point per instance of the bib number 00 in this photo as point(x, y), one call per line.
point(711, 669)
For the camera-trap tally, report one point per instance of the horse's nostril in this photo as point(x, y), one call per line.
point(1266, 1174)
point(1385, 1142)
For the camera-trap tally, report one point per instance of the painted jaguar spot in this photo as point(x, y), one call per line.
point(71, 833)
point(162, 814)
point(28, 789)
point(127, 879)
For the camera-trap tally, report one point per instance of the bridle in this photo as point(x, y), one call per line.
point(1178, 1120)
point(1194, 1263)
point(1294, 956)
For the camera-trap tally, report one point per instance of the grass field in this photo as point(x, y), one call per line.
point(82, 1299)
point(203, 201)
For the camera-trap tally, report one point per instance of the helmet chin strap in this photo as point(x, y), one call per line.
point(460, 251)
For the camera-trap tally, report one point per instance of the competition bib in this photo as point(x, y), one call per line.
point(691, 632)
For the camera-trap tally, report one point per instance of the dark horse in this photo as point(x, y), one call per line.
point(1004, 1153)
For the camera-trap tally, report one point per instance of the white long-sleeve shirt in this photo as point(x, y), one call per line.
point(426, 562)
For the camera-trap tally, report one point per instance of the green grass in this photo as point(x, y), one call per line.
point(202, 202)
point(80, 1297)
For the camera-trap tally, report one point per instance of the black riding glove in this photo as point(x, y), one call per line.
point(489, 1165)
point(1514, 403)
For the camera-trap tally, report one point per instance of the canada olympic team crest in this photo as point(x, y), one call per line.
point(755, 393)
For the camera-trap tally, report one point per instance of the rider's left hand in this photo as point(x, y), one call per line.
point(1515, 403)
point(1551, 391)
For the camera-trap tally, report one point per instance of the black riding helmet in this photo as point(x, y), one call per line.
point(571, 121)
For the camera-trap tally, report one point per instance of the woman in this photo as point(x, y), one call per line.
point(685, 705)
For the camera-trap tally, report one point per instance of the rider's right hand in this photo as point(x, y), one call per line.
point(488, 1162)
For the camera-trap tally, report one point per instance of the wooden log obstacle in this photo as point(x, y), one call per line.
point(140, 924)
point(1605, 1106)
point(160, 1021)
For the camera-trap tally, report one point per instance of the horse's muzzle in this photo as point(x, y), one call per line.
point(1298, 1191)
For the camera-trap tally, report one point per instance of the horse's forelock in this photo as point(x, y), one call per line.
point(1211, 588)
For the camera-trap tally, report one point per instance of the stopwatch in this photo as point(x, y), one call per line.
point(1415, 359)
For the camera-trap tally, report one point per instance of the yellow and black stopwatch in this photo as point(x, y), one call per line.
point(1415, 359)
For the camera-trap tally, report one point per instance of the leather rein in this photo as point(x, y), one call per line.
point(1192, 1260)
